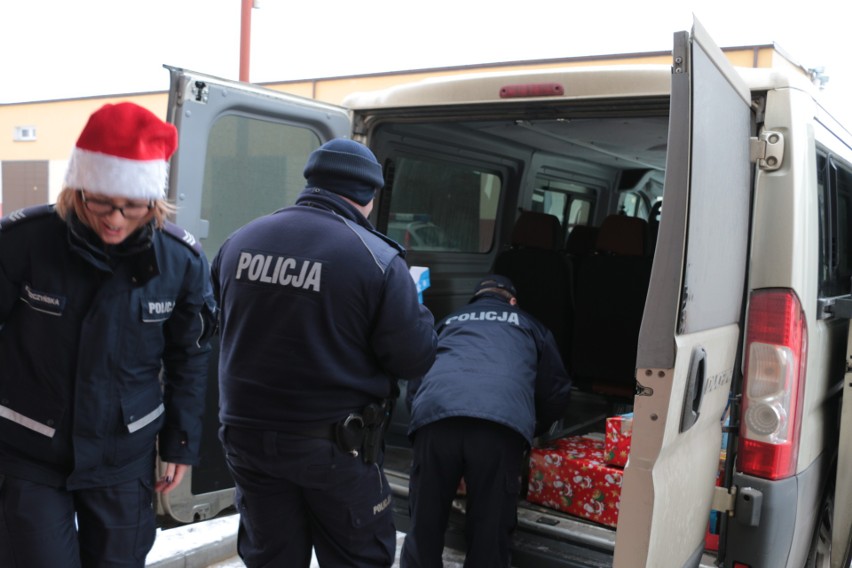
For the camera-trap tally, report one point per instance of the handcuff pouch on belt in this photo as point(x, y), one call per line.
point(363, 432)
point(349, 433)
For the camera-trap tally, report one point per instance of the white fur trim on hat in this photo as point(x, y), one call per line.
point(117, 177)
point(123, 151)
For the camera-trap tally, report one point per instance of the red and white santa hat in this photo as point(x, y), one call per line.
point(123, 151)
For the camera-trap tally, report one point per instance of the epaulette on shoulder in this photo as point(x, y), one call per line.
point(21, 216)
point(398, 247)
point(184, 236)
point(381, 248)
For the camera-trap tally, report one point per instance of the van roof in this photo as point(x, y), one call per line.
point(613, 81)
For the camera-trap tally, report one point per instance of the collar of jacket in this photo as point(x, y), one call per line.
point(136, 250)
point(324, 199)
point(490, 295)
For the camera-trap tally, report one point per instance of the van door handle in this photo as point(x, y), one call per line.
point(694, 389)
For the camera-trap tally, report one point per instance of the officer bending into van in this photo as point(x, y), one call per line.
point(319, 318)
point(498, 380)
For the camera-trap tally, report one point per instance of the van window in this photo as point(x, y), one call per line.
point(835, 204)
point(580, 212)
point(631, 204)
point(248, 154)
point(639, 192)
point(569, 202)
point(443, 206)
point(550, 202)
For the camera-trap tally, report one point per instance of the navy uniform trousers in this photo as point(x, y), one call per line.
point(49, 527)
point(295, 493)
point(489, 457)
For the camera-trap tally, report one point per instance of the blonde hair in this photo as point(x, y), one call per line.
point(69, 200)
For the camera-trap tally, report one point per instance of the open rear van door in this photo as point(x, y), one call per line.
point(691, 329)
point(240, 155)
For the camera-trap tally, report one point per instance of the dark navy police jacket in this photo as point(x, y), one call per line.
point(83, 338)
point(319, 317)
point(497, 363)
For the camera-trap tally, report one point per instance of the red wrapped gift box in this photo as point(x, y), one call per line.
point(569, 475)
point(619, 431)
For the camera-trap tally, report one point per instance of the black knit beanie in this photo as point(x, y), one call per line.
point(347, 168)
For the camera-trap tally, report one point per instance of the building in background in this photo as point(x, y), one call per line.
point(36, 138)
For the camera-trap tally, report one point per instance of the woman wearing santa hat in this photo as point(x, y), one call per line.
point(105, 316)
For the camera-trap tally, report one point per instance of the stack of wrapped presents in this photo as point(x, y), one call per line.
point(581, 475)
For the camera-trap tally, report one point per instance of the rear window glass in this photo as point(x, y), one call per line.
point(245, 154)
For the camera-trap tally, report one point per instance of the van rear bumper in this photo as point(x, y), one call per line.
point(773, 523)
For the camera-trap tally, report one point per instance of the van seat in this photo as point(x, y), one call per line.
point(540, 273)
point(610, 291)
point(581, 240)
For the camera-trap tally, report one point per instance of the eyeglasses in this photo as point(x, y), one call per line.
point(102, 207)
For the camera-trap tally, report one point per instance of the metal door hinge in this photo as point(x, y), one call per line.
point(724, 499)
point(767, 151)
point(838, 307)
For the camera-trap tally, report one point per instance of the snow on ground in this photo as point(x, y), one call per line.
point(189, 539)
point(452, 559)
point(182, 541)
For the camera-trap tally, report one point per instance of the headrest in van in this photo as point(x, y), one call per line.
point(621, 235)
point(537, 230)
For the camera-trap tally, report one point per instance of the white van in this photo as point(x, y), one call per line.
point(711, 297)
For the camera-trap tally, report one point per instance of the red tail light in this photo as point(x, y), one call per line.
point(773, 387)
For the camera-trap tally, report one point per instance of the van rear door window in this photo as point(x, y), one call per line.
point(252, 167)
point(443, 206)
point(835, 200)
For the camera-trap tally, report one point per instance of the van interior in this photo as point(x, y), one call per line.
point(567, 204)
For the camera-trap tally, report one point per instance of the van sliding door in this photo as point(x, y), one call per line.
point(691, 325)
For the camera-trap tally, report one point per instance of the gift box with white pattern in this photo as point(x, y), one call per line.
point(570, 475)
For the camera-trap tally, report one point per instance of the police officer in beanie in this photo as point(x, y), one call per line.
point(105, 313)
point(319, 318)
point(498, 380)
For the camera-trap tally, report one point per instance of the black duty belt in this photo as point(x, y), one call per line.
point(325, 432)
point(359, 433)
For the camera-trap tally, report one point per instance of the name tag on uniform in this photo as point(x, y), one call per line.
point(45, 302)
